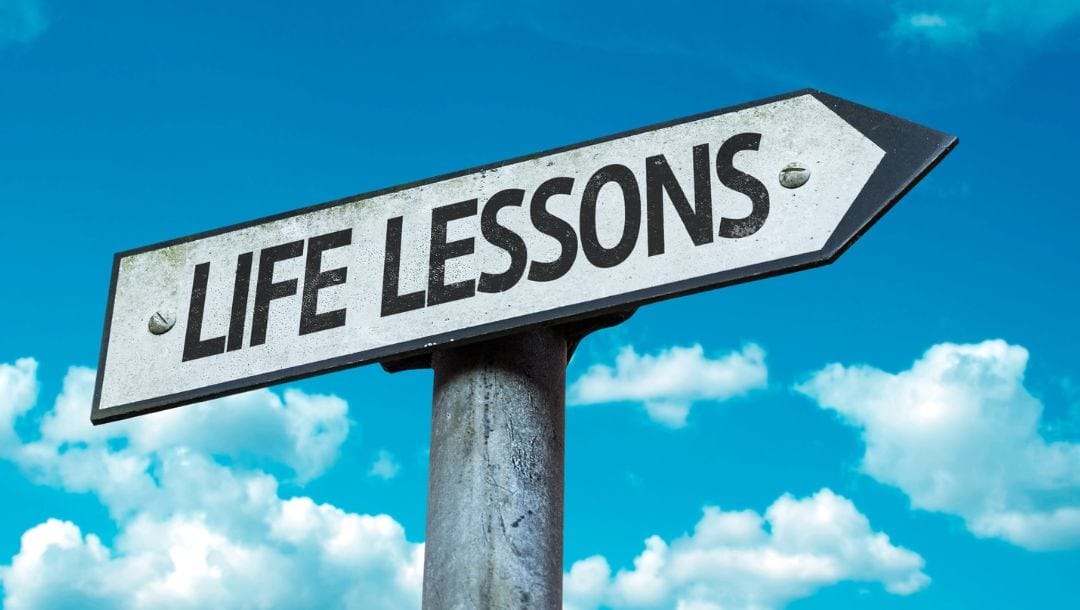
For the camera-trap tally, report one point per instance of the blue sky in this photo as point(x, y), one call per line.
point(898, 430)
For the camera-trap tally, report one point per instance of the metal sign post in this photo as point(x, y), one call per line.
point(495, 491)
point(495, 483)
point(490, 276)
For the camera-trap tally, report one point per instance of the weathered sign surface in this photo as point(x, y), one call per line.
point(727, 196)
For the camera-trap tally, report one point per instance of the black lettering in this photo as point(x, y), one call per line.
point(392, 302)
point(441, 251)
point(659, 179)
point(194, 346)
point(315, 280)
point(553, 226)
point(597, 254)
point(743, 183)
point(241, 286)
point(502, 237)
point(267, 290)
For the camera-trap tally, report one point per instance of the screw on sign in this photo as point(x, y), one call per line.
point(161, 322)
point(794, 175)
point(490, 276)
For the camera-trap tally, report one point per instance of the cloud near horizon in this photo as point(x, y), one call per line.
point(192, 532)
point(669, 383)
point(959, 433)
point(740, 560)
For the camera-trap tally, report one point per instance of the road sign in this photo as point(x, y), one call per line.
point(727, 196)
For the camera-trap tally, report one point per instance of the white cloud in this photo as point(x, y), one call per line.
point(21, 20)
point(385, 466)
point(959, 433)
point(192, 532)
point(18, 392)
point(303, 432)
point(668, 383)
point(951, 22)
point(342, 561)
point(585, 584)
point(740, 560)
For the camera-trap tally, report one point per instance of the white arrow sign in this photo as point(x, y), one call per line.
point(732, 195)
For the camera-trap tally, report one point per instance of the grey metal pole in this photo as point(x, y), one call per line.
point(495, 487)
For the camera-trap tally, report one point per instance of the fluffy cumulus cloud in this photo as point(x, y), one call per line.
point(301, 431)
point(191, 531)
point(742, 560)
point(959, 433)
point(668, 383)
point(951, 22)
point(21, 20)
point(199, 524)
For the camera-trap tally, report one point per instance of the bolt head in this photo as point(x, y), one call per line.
point(161, 322)
point(794, 175)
